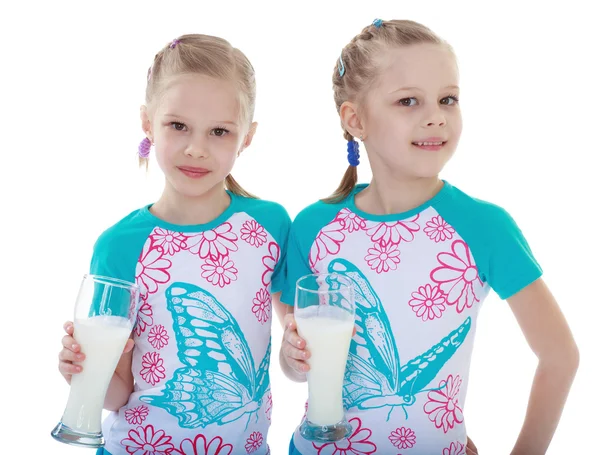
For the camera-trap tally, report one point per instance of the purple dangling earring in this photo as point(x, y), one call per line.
point(144, 148)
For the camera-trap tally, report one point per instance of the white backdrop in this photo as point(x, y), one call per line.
point(72, 81)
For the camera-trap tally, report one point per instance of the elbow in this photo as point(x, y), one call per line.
point(564, 359)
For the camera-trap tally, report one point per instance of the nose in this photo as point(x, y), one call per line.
point(197, 149)
point(435, 117)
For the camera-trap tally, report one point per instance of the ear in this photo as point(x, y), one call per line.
point(146, 123)
point(248, 138)
point(351, 120)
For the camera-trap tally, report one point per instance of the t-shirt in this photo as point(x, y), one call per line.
point(203, 331)
point(419, 279)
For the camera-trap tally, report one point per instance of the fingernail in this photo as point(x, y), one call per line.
point(74, 346)
point(80, 356)
point(299, 343)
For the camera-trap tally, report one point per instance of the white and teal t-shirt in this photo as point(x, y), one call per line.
point(203, 332)
point(420, 279)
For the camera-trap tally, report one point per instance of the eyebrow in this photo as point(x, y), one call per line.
point(455, 87)
point(228, 122)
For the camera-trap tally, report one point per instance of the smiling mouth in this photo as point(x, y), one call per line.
point(422, 144)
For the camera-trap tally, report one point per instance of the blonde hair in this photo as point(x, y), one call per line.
point(360, 70)
point(210, 56)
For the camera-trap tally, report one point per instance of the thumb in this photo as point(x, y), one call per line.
point(128, 346)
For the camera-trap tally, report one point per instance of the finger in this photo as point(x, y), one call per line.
point(354, 331)
point(128, 346)
point(66, 355)
point(298, 365)
point(289, 322)
point(68, 327)
point(69, 368)
point(69, 342)
point(292, 337)
point(297, 354)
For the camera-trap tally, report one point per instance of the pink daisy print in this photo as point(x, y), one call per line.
point(214, 243)
point(147, 441)
point(351, 221)
point(428, 302)
point(438, 230)
point(356, 444)
point(262, 306)
point(200, 446)
point(458, 277)
point(169, 241)
point(253, 233)
point(403, 438)
point(270, 262)
point(442, 405)
point(151, 269)
point(144, 317)
point(220, 272)
point(153, 370)
point(383, 258)
point(158, 337)
point(254, 442)
point(327, 242)
point(269, 406)
point(456, 448)
point(136, 416)
point(393, 232)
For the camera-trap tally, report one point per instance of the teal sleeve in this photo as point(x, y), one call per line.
point(296, 266)
point(512, 265)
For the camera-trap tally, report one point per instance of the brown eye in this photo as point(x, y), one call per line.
point(220, 132)
point(178, 126)
point(408, 102)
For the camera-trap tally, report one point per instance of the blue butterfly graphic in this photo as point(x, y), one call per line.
point(219, 382)
point(378, 380)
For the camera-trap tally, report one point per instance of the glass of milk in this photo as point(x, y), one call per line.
point(324, 311)
point(105, 313)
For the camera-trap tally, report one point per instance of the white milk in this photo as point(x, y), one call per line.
point(102, 339)
point(328, 337)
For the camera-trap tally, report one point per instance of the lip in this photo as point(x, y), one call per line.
point(432, 148)
point(193, 172)
point(432, 139)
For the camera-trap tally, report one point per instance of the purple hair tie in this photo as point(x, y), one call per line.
point(144, 148)
point(174, 43)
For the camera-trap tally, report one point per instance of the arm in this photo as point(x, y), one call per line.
point(549, 337)
point(121, 384)
point(292, 354)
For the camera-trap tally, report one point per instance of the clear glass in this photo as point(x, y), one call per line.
point(105, 313)
point(324, 310)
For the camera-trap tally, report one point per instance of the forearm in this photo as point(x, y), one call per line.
point(547, 398)
point(289, 371)
point(118, 393)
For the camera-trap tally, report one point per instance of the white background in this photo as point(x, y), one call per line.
point(73, 79)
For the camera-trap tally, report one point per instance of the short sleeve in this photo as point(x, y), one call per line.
point(296, 266)
point(278, 277)
point(512, 265)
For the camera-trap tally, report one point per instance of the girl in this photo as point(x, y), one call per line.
point(422, 255)
point(207, 256)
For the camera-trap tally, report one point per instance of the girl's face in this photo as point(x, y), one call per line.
point(197, 132)
point(414, 100)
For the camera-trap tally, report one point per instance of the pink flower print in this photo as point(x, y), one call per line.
point(456, 448)
point(458, 276)
point(146, 441)
point(151, 269)
point(438, 230)
point(269, 406)
point(327, 242)
point(356, 444)
point(254, 442)
point(144, 317)
point(199, 446)
point(219, 272)
point(393, 232)
point(428, 302)
point(158, 337)
point(403, 438)
point(442, 405)
point(270, 262)
point(136, 416)
point(153, 370)
point(170, 242)
point(214, 243)
point(383, 258)
point(262, 306)
point(253, 233)
point(351, 221)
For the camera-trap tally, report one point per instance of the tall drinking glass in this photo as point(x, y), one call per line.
point(324, 312)
point(105, 313)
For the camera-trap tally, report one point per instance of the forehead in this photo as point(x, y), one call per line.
point(425, 66)
point(199, 95)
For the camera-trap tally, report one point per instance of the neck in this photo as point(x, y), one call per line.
point(176, 208)
point(389, 195)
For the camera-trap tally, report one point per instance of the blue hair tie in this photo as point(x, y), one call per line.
point(353, 153)
point(377, 23)
point(341, 67)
